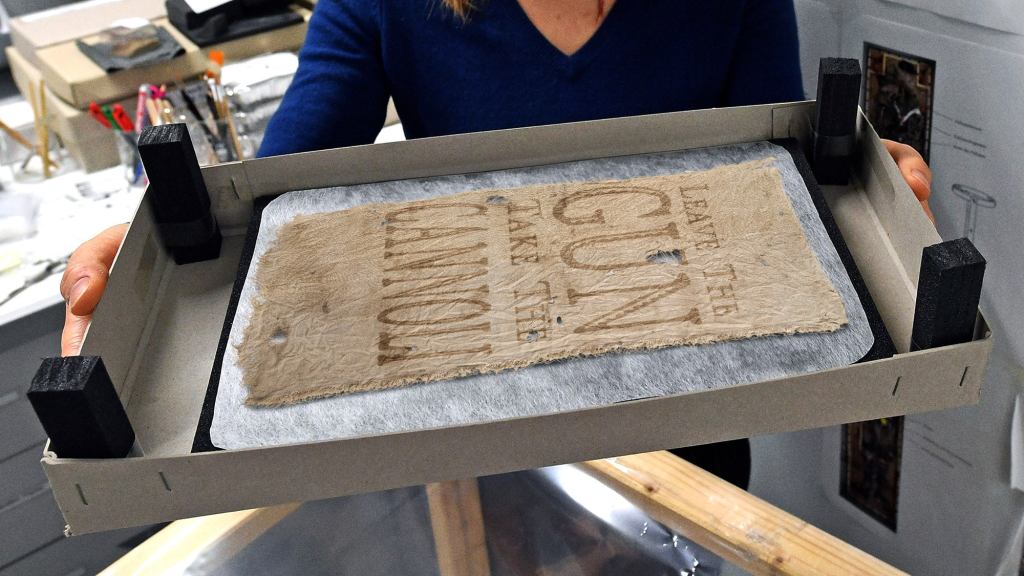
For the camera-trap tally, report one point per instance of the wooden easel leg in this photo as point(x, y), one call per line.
point(732, 523)
point(458, 525)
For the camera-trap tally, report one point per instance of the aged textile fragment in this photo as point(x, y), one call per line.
point(384, 295)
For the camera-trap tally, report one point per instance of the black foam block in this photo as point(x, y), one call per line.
point(948, 291)
point(178, 195)
point(78, 407)
point(835, 123)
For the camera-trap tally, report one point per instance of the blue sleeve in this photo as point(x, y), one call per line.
point(339, 94)
point(766, 62)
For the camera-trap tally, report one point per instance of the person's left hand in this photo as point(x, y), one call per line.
point(915, 171)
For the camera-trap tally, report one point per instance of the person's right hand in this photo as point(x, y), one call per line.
point(83, 283)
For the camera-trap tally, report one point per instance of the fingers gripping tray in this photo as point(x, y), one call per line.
point(168, 333)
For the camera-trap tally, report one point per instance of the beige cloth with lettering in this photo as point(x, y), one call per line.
point(385, 295)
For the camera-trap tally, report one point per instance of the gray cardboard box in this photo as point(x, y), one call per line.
point(158, 327)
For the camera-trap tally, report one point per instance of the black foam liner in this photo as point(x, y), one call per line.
point(883, 346)
point(202, 441)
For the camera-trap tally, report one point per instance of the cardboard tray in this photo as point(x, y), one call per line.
point(159, 324)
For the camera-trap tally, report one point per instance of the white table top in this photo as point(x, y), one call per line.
point(64, 219)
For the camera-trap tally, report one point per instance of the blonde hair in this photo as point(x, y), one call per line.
point(461, 8)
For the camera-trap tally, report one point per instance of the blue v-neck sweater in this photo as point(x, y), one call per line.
point(498, 71)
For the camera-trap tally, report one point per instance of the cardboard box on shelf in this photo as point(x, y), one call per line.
point(79, 81)
point(37, 30)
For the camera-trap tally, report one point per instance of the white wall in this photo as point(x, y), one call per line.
point(957, 512)
point(818, 22)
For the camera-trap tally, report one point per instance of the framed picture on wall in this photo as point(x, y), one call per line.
point(898, 92)
point(872, 455)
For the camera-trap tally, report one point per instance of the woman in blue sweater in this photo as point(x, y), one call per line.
point(510, 64)
point(454, 67)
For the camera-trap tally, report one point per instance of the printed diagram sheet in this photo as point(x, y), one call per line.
point(1005, 15)
point(939, 472)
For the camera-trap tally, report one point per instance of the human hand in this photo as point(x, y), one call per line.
point(915, 171)
point(83, 283)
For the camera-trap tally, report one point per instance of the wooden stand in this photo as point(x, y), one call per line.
point(40, 116)
point(458, 523)
point(736, 525)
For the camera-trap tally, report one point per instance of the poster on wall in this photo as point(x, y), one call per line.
point(898, 92)
point(870, 471)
